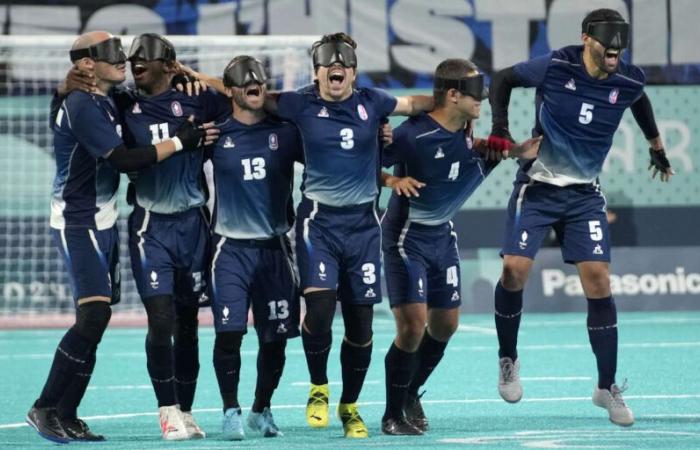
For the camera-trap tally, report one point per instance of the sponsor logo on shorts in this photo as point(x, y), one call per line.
point(598, 250)
point(523, 241)
point(322, 271)
point(281, 329)
point(370, 293)
point(420, 287)
point(154, 280)
point(455, 296)
point(224, 317)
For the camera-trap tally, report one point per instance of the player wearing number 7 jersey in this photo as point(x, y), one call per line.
point(582, 93)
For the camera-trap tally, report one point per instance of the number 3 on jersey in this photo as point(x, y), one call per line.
point(346, 138)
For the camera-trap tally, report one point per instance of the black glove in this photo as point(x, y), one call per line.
point(191, 136)
point(658, 160)
point(180, 78)
point(500, 139)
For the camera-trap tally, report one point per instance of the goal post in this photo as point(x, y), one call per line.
point(34, 287)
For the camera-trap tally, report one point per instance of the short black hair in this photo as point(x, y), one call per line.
point(451, 69)
point(600, 15)
point(335, 37)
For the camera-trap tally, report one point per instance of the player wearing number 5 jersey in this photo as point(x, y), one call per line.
point(582, 93)
point(337, 230)
point(251, 266)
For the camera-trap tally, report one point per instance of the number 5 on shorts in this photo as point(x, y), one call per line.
point(595, 230)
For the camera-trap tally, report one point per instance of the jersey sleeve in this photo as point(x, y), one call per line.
point(400, 147)
point(216, 107)
point(531, 73)
point(289, 104)
point(384, 103)
point(92, 128)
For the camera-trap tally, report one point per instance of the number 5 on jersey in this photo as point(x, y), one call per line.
point(586, 114)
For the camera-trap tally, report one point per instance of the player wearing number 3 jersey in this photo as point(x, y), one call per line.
point(582, 93)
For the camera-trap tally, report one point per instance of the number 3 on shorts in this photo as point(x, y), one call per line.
point(368, 273)
point(595, 230)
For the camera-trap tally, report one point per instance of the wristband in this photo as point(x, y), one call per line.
point(178, 143)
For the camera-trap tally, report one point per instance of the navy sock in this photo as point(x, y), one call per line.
point(398, 369)
point(602, 333)
point(316, 348)
point(509, 308)
point(270, 366)
point(354, 362)
point(227, 365)
point(186, 350)
point(68, 405)
point(159, 362)
point(71, 354)
point(429, 354)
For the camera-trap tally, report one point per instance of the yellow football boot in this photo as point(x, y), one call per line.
point(317, 406)
point(353, 425)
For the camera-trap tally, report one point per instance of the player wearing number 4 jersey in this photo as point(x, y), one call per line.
point(582, 93)
point(337, 230)
point(437, 154)
point(251, 267)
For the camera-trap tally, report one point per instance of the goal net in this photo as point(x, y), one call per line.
point(34, 287)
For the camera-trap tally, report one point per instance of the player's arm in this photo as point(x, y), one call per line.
point(502, 84)
point(644, 115)
point(407, 186)
point(197, 81)
point(412, 105)
point(527, 149)
point(188, 137)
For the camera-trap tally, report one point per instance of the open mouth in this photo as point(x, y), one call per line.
point(253, 91)
point(336, 77)
point(612, 56)
point(138, 69)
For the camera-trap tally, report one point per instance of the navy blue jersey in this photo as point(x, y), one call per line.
point(443, 160)
point(86, 128)
point(341, 148)
point(577, 114)
point(253, 175)
point(173, 185)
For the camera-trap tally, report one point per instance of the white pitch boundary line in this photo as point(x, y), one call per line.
point(330, 383)
point(126, 387)
point(555, 378)
point(378, 403)
point(479, 330)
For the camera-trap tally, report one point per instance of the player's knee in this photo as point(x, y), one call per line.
point(274, 351)
point(227, 343)
point(358, 323)
point(92, 319)
point(320, 309)
point(187, 325)
point(409, 335)
point(161, 319)
point(514, 275)
point(443, 331)
point(596, 283)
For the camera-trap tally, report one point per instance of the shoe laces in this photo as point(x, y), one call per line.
point(616, 394)
point(508, 370)
point(318, 398)
point(351, 416)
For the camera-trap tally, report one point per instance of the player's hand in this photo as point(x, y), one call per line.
point(528, 149)
point(407, 186)
point(660, 164)
point(482, 146)
point(387, 134)
point(187, 80)
point(78, 80)
point(500, 140)
point(194, 137)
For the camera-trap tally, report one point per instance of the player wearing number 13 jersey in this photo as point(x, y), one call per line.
point(337, 230)
point(582, 93)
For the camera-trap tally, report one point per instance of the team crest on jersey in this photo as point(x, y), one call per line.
point(176, 108)
point(323, 112)
point(228, 142)
point(362, 112)
point(273, 142)
point(136, 109)
point(612, 98)
point(570, 85)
